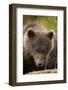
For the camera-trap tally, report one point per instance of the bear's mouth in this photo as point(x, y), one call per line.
point(39, 68)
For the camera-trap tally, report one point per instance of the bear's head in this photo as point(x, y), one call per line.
point(40, 45)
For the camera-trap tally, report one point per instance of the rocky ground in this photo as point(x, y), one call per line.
point(44, 71)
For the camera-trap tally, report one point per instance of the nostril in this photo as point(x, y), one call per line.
point(39, 64)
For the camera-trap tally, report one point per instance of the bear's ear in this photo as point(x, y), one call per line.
point(50, 35)
point(31, 34)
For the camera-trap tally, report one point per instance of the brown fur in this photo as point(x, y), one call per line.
point(37, 44)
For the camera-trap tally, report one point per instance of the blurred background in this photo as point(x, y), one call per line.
point(49, 22)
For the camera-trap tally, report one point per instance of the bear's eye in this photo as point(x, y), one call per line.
point(40, 51)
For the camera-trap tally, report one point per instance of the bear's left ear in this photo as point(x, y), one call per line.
point(31, 34)
point(50, 35)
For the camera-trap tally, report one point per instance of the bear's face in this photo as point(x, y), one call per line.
point(40, 44)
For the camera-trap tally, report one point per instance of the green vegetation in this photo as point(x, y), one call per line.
point(49, 22)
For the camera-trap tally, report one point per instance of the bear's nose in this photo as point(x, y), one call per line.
point(40, 65)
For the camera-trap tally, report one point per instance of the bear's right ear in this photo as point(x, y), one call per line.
point(31, 34)
point(50, 35)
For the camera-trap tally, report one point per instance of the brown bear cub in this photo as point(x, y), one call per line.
point(37, 45)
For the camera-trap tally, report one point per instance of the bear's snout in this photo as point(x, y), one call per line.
point(40, 65)
point(39, 59)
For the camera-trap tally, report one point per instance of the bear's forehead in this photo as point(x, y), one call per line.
point(40, 41)
point(41, 37)
point(34, 27)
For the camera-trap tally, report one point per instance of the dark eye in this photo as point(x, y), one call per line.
point(40, 51)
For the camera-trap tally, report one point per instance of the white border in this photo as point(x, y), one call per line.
point(19, 54)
